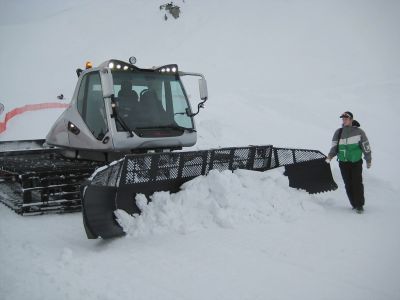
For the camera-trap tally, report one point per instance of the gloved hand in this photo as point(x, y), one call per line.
point(368, 165)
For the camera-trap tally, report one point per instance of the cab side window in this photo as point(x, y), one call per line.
point(90, 104)
point(180, 105)
point(81, 95)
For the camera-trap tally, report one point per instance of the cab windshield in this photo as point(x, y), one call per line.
point(150, 100)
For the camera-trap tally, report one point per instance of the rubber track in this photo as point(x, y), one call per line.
point(42, 181)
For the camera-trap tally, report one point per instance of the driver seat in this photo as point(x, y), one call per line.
point(128, 99)
point(152, 108)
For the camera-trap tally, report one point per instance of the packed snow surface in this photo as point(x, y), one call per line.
point(241, 235)
point(279, 72)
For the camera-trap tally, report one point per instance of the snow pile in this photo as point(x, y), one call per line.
point(220, 199)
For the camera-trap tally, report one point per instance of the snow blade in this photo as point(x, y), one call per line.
point(314, 176)
point(116, 186)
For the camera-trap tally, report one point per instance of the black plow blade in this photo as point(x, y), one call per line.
point(116, 186)
point(314, 176)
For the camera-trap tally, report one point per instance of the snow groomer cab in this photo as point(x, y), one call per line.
point(118, 108)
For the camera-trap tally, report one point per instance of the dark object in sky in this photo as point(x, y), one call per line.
point(173, 9)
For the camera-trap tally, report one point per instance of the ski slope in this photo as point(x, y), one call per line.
point(279, 72)
point(226, 236)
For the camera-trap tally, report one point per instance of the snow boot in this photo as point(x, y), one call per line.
point(359, 210)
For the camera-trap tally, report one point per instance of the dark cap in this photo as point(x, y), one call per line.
point(347, 114)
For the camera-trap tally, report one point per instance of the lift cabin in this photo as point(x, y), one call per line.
point(118, 108)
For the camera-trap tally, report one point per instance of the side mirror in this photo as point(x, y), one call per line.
point(203, 89)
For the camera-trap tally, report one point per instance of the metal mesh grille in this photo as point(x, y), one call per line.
point(192, 165)
point(306, 155)
point(168, 166)
point(110, 176)
point(259, 161)
point(138, 169)
point(162, 167)
point(185, 165)
point(285, 156)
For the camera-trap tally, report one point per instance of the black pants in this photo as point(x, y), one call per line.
point(352, 177)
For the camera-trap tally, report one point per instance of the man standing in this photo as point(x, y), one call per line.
point(349, 143)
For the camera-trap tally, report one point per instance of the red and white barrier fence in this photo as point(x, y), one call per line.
point(29, 107)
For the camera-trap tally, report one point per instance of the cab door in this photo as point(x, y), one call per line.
point(93, 127)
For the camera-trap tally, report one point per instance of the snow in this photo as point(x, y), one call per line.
point(217, 200)
point(278, 72)
point(290, 245)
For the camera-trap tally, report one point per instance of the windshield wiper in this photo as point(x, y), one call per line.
point(124, 125)
point(176, 127)
point(118, 117)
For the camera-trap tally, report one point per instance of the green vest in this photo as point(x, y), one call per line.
point(349, 152)
point(349, 145)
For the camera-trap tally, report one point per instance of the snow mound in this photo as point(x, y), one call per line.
point(220, 199)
